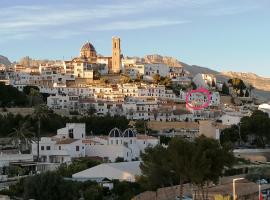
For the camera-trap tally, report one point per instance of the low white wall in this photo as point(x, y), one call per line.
point(5, 159)
point(110, 151)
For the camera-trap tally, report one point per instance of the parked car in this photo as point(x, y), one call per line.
point(261, 181)
point(185, 197)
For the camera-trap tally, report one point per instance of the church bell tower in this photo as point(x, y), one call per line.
point(116, 55)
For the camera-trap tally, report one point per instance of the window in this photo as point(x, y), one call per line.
point(42, 148)
point(77, 148)
point(59, 147)
point(116, 141)
point(130, 141)
point(70, 133)
point(48, 148)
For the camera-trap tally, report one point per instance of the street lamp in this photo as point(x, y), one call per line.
point(259, 191)
point(234, 180)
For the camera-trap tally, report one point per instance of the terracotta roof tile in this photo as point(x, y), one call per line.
point(145, 137)
point(66, 141)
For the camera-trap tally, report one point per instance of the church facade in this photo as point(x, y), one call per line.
point(89, 62)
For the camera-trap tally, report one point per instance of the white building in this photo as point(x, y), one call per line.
point(71, 142)
point(127, 145)
point(215, 99)
point(265, 108)
point(123, 171)
point(230, 118)
point(79, 67)
point(158, 91)
point(61, 148)
point(201, 98)
point(64, 102)
point(103, 63)
point(139, 108)
point(135, 70)
point(7, 158)
point(204, 80)
point(155, 68)
point(184, 81)
point(100, 108)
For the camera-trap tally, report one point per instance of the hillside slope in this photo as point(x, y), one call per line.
point(4, 60)
point(251, 78)
point(261, 84)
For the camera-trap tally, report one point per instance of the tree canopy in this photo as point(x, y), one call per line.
point(52, 186)
point(254, 130)
point(156, 78)
point(98, 125)
point(77, 166)
point(258, 126)
point(199, 162)
point(225, 89)
point(27, 89)
point(237, 83)
point(10, 96)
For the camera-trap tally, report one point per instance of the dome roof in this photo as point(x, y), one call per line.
point(115, 132)
point(88, 47)
point(129, 133)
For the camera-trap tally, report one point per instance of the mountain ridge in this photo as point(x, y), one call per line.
point(261, 84)
point(4, 60)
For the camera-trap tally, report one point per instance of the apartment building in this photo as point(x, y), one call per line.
point(64, 146)
point(127, 145)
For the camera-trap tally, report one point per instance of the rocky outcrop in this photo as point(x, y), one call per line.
point(256, 81)
point(4, 60)
point(171, 61)
point(261, 84)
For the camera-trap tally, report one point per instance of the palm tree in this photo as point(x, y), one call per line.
point(33, 93)
point(251, 88)
point(41, 112)
point(22, 136)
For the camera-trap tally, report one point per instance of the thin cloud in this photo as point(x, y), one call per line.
point(64, 20)
point(138, 24)
point(116, 26)
point(232, 10)
point(24, 20)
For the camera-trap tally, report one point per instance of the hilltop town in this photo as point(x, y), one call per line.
point(108, 111)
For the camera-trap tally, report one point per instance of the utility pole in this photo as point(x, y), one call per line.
point(239, 132)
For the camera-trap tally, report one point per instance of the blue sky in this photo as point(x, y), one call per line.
point(225, 35)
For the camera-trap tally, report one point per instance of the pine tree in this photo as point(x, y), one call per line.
point(225, 89)
point(241, 94)
point(246, 93)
